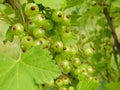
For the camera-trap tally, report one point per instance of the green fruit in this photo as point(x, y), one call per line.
point(90, 70)
point(89, 51)
point(77, 71)
point(39, 20)
point(31, 26)
point(59, 82)
point(57, 16)
point(73, 51)
point(66, 50)
point(65, 66)
point(76, 62)
point(66, 80)
point(66, 34)
point(42, 42)
point(62, 88)
point(71, 88)
point(48, 25)
point(31, 9)
point(27, 42)
point(17, 29)
point(66, 20)
point(38, 32)
point(58, 46)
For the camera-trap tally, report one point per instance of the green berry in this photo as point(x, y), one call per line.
point(58, 46)
point(39, 20)
point(27, 42)
point(31, 9)
point(38, 32)
point(18, 29)
point(57, 16)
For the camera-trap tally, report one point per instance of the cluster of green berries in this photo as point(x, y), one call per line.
point(35, 33)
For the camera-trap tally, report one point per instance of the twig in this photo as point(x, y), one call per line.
point(110, 23)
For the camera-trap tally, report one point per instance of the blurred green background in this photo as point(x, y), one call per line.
point(10, 49)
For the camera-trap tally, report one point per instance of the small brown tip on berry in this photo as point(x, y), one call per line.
point(24, 50)
point(61, 64)
point(43, 85)
point(32, 8)
point(83, 70)
point(14, 28)
point(67, 31)
point(42, 16)
point(28, 39)
point(59, 15)
point(68, 16)
point(41, 41)
point(30, 22)
point(57, 46)
point(64, 48)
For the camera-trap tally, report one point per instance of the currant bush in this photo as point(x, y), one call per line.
point(54, 32)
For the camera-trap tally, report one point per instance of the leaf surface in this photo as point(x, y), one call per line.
point(36, 67)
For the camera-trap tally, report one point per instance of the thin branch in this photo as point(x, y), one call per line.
point(110, 23)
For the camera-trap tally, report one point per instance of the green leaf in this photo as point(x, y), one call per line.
point(113, 86)
point(72, 3)
point(36, 67)
point(54, 4)
point(87, 85)
point(9, 35)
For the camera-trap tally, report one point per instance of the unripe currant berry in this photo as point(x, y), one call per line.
point(62, 88)
point(31, 9)
point(39, 20)
point(38, 32)
point(76, 62)
point(17, 29)
point(66, 80)
point(27, 42)
point(58, 46)
point(44, 43)
point(89, 51)
point(66, 20)
point(48, 25)
point(31, 26)
point(59, 82)
point(66, 34)
point(71, 88)
point(57, 16)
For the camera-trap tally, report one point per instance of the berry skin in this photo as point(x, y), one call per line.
point(66, 80)
point(76, 62)
point(66, 34)
point(42, 42)
point(58, 46)
point(90, 70)
point(18, 29)
point(62, 88)
point(57, 16)
point(66, 20)
point(31, 26)
point(65, 66)
point(48, 25)
point(27, 42)
point(39, 20)
point(89, 51)
point(59, 82)
point(66, 50)
point(38, 32)
point(31, 9)
point(71, 88)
